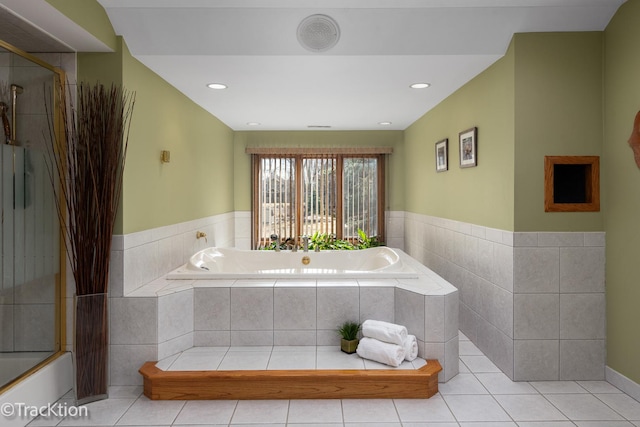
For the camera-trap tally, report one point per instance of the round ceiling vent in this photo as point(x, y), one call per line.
point(318, 33)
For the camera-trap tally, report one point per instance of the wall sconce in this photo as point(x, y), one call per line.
point(165, 156)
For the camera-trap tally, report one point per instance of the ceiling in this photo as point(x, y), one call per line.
point(384, 46)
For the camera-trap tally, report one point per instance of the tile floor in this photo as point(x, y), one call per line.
point(480, 396)
point(272, 358)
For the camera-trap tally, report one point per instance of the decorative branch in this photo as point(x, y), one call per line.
point(87, 160)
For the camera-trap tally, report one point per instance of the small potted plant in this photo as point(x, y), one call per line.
point(349, 333)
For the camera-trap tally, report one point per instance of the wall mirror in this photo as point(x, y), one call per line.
point(30, 279)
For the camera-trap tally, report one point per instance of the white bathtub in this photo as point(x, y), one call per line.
point(268, 298)
point(213, 263)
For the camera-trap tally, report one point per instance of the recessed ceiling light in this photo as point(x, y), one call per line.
point(216, 86)
point(420, 85)
point(384, 123)
point(253, 124)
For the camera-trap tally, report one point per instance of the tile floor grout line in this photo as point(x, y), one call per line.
point(568, 417)
point(544, 396)
point(126, 410)
point(449, 408)
point(184, 403)
point(233, 413)
point(611, 407)
point(286, 419)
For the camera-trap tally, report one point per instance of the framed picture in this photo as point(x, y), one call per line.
point(442, 155)
point(469, 148)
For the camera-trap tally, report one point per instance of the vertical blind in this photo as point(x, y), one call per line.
point(360, 178)
point(276, 210)
point(319, 196)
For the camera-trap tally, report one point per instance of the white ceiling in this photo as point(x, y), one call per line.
point(384, 46)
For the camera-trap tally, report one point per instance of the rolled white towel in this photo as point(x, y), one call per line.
point(384, 331)
point(383, 352)
point(410, 348)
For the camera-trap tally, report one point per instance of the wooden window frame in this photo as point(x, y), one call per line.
point(340, 154)
point(592, 183)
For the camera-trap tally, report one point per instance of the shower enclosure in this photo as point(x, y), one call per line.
point(30, 264)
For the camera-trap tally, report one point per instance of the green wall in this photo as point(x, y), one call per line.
point(90, 15)
point(480, 195)
point(394, 170)
point(621, 181)
point(542, 98)
point(558, 112)
point(198, 181)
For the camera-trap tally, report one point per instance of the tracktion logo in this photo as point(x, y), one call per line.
point(51, 410)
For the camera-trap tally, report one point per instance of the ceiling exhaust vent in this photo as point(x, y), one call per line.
point(318, 33)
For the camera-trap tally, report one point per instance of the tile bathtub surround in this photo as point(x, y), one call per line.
point(146, 328)
point(140, 258)
point(308, 315)
point(180, 314)
point(533, 302)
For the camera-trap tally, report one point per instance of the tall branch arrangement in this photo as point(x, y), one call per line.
point(89, 159)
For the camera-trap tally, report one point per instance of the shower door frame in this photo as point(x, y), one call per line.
point(59, 349)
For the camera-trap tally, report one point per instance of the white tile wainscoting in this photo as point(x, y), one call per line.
point(534, 303)
point(140, 258)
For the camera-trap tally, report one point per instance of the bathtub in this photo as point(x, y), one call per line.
point(265, 298)
point(218, 263)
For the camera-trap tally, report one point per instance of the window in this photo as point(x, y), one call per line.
point(298, 194)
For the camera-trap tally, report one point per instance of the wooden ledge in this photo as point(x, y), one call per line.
point(294, 384)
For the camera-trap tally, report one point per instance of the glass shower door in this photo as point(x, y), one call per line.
point(29, 233)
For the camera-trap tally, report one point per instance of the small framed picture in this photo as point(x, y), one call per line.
point(442, 155)
point(469, 148)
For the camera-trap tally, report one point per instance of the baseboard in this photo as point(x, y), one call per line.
point(625, 384)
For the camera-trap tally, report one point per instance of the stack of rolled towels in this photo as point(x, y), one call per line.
point(386, 343)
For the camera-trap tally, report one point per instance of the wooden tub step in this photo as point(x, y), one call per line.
point(419, 383)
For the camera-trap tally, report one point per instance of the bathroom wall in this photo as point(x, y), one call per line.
point(531, 299)
point(394, 172)
point(177, 124)
point(621, 189)
point(558, 112)
point(197, 182)
point(534, 303)
point(481, 195)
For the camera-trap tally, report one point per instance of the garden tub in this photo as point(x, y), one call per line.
point(218, 263)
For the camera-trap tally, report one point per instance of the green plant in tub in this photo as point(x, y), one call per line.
point(329, 242)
